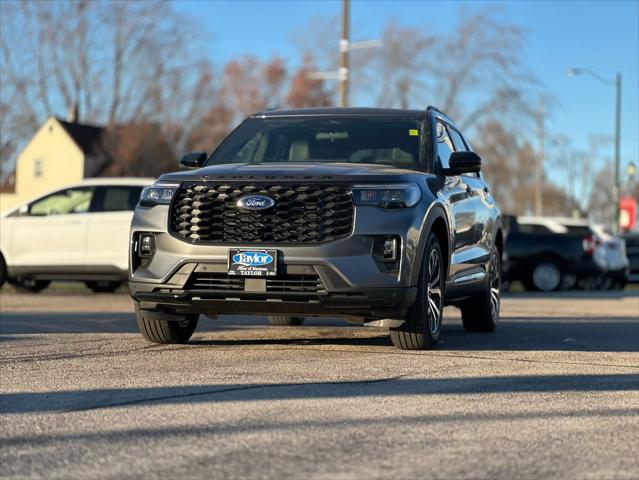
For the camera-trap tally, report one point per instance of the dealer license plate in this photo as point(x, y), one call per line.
point(252, 262)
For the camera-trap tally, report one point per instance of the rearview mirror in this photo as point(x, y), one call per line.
point(193, 159)
point(463, 162)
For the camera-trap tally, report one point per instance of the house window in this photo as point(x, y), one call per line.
point(37, 168)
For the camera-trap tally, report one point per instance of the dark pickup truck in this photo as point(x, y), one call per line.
point(545, 259)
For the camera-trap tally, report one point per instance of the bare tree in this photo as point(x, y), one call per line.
point(116, 62)
point(509, 169)
point(249, 85)
point(305, 91)
point(403, 64)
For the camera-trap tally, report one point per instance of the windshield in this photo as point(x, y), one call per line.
point(383, 140)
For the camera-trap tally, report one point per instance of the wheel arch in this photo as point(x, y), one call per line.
point(499, 243)
point(436, 221)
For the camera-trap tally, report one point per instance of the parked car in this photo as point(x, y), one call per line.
point(632, 250)
point(381, 216)
point(79, 232)
point(545, 256)
point(612, 248)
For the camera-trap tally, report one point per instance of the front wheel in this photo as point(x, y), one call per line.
point(284, 321)
point(29, 285)
point(481, 313)
point(158, 327)
point(423, 321)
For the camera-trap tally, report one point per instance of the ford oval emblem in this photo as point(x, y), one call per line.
point(255, 202)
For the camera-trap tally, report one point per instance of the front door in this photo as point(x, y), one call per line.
point(459, 196)
point(51, 234)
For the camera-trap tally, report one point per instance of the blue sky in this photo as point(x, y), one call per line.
point(602, 35)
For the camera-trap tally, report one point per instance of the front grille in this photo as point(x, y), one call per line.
point(221, 282)
point(206, 213)
point(215, 281)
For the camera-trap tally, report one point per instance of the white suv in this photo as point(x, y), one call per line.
point(79, 232)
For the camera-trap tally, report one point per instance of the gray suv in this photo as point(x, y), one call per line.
point(379, 216)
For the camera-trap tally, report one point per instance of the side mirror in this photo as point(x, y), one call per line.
point(193, 159)
point(463, 162)
point(23, 210)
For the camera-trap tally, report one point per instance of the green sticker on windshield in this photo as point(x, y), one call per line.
point(413, 132)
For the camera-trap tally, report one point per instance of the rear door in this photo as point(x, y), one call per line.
point(50, 235)
point(108, 227)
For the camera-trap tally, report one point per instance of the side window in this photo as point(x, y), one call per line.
point(120, 198)
point(460, 146)
point(458, 141)
point(64, 202)
point(444, 144)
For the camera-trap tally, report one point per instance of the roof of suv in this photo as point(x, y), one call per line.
point(133, 181)
point(335, 111)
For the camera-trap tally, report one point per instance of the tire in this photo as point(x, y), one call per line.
point(29, 285)
point(544, 276)
point(160, 327)
point(481, 313)
point(284, 321)
point(568, 281)
point(618, 285)
point(103, 286)
point(423, 322)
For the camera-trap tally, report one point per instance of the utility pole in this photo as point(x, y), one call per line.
point(345, 46)
point(343, 56)
point(617, 187)
point(539, 173)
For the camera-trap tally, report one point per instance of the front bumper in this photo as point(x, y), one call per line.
point(353, 281)
point(371, 303)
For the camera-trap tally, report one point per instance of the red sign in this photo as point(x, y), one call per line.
point(627, 214)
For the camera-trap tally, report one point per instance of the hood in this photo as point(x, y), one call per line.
point(294, 171)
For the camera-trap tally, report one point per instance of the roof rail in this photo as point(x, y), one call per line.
point(430, 107)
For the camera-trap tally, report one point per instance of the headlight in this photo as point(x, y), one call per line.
point(157, 194)
point(398, 195)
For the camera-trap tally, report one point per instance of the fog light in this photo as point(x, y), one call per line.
point(391, 250)
point(146, 247)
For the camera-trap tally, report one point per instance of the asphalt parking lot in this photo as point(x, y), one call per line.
point(553, 393)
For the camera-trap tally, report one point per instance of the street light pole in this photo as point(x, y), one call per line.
point(617, 82)
point(343, 56)
point(617, 190)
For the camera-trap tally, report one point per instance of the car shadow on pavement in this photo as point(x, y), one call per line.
point(599, 334)
point(574, 294)
point(520, 334)
point(92, 399)
point(252, 426)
